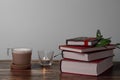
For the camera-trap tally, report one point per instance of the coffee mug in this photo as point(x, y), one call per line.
point(20, 56)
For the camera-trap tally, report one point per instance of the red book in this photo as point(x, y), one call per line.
point(87, 56)
point(93, 68)
point(82, 41)
point(85, 49)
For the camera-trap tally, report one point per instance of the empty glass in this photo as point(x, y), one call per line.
point(45, 57)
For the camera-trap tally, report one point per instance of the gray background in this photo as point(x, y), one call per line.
point(45, 24)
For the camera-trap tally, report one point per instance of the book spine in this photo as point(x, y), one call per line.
point(62, 53)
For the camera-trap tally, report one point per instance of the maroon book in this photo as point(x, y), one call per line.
point(85, 49)
point(82, 41)
point(93, 68)
point(85, 56)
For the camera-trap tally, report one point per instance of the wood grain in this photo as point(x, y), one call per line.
point(52, 73)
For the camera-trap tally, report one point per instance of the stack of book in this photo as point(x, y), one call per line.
point(81, 57)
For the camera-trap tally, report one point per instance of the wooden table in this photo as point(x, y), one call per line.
point(52, 73)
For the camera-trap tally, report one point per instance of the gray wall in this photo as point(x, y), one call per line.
point(45, 24)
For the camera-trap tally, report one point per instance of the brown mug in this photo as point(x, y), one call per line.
point(20, 56)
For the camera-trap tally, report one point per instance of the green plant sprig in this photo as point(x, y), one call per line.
point(102, 42)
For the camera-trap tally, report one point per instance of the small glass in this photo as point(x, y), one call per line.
point(45, 57)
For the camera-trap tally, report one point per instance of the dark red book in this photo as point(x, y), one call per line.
point(82, 41)
point(87, 56)
point(93, 68)
point(85, 49)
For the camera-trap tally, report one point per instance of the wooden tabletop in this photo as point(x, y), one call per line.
point(52, 73)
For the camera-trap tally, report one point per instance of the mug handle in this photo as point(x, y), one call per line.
point(8, 51)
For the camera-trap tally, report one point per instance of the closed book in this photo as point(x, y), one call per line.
point(88, 56)
point(82, 41)
point(85, 49)
point(93, 68)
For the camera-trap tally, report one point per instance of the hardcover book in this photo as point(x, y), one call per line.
point(82, 41)
point(85, 49)
point(93, 68)
point(87, 56)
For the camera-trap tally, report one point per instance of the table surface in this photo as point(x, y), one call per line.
point(52, 73)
